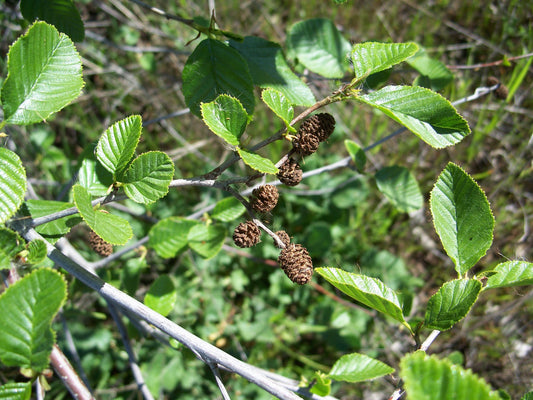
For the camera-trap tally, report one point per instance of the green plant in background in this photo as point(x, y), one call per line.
point(219, 80)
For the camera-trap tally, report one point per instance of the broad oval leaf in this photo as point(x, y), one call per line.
point(162, 295)
point(228, 209)
point(112, 228)
point(170, 235)
point(511, 273)
point(278, 103)
point(371, 57)
point(148, 177)
point(400, 187)
point(462, 217)
point(226, 117)
point(433, 74)
point(427, 377)
point(28, 308)
point(92, 175)
point(44, 75)
point(319, 46)
point(63, 14)
point(212, 69)
point(357, 367)
point(255, 161)
point(370, 291)
point(425, 113)
point(53, 230)
point(206, 240)
point(357, 154)
point(269, 69)
point(117, 145)
point(451, 303)
point(15, 391)
point(12, 183)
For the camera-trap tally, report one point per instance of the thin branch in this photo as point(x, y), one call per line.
point(68, 375)
point(218, 379)
point(429, 340)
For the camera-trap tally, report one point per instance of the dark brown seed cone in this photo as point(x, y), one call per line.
point(296, 263)
point(246, 234)
point(99, 245)
point(321, 125)
point(284, 237)
point(502, 92)
point(264, 198)
point(306, 143)
point(290, 173)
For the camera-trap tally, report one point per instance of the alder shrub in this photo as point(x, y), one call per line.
point(219, 82)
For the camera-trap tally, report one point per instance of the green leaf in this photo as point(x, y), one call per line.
point(117, 145)
point(28, 308)
point(527, 396)
point(37, 251)
point(322, 384)
point(357, 367)
point(269, 69)
point(60, 13)
point(213, 69)
point(278, 103)
point(170, 235)
point(53, 230)
point(428, 378)
point(425, 113)
point(226, 117)
point(148, 177)
point(92, 175)
point(12, 183)
point(10, 245)
point(462, 217)
point(433, 74)
point(357, 154)
point(371, 57)
point(228, 209)
point(451, 303)
point(112, 228)
point(15, 391)
point(44, 75)
point(206, 240)
point(369, 291)
point(511, 273)
point(400, 187)
point(255, 161)
point(162, 295)
point(319, 46)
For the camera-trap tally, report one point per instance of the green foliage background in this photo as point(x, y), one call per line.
point(240, 300)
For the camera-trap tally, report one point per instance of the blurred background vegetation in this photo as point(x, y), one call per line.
point(239, 300)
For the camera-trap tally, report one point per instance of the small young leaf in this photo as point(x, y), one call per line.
point(511, 273)
point(228, 209)
point(11, 243)
point(400, 187)
point(112, 228)
point(425, 113)
point(28, 308)
point(44, 75)
point(371, 57)
point(257, 162)
point(462, 217)
point(162, 295)
point(37, 251)
point(12, 183)
point(63, 14)
point(117, 145)
point(15, 391)
point(278, 103)
point(206, 240)
point(148, 177)
point(357, 367)
point(269, 69)
point(322, 384)
point(427, 377)
point(169, 236)
point(434, 74)
point(319, 46)
point(226, 117)
point(451, 303)
point(214, 68)
point(357, 154)
point(370, 291)
point(53, 230)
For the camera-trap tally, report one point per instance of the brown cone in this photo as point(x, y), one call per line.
point(264, 198)
point(246, 234)
point(296, 262)
point(284, 237)
point(99, 245)
point(290, 173)
point(502, 92)
point(306, 143)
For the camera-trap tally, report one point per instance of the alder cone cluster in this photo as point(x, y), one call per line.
point(290, 173)
point(502, 92)
point(246, 234)
point(296, 262)
point(284, 237)
point(317, 128)
point(99, 245)
point(264, 198)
